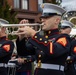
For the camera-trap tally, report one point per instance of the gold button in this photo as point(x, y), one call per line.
point(45, 41)
point(35, 36)
point(39, 60)
point(49, 32)
point(41, 51)
point(46, 36)
point(40, 39)
point(39, 55)
point(42, 6)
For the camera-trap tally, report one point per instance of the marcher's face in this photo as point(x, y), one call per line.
point(65, 31)
point(48, 23)
point(2, 31)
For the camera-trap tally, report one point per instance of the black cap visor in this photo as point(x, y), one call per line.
point(46, 15)
point(64, 27)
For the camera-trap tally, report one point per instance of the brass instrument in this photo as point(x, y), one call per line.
point(12, 28)
point(71, 16)
point(73, 20)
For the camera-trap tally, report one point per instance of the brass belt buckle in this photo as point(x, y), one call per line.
point(39, 64)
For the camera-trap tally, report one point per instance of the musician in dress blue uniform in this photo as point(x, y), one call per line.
point(24, 68)
point(6, 49)
point(50, 48)
point(66, 28)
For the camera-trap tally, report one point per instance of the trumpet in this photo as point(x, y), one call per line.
point(13, 28)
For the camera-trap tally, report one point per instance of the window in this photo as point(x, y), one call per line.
point(16, 3)
point(24, 4)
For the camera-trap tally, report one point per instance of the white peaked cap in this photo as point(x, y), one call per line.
point(3, 21)
point(50, 9)
point(66, 23)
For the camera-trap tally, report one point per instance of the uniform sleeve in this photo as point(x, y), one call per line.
point(6, 48)
point(53, 49)
point(24, 48)
point(73, 50)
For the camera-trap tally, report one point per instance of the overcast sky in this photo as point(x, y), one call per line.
point(69, 4)
point(68, 0)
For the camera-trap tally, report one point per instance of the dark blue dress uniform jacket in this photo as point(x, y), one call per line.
point(6, 49)
point(73, 50)
point(53, 47)
point(23, 52)
point(69, 67)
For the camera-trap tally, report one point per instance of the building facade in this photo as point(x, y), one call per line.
point(27, 9)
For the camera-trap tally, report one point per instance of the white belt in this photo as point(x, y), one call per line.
point(3, 65)
point(11, 65)
point(7, 65)
point(52, 66)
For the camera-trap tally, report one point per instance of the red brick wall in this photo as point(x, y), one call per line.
point(33, 5)
point(10, 2)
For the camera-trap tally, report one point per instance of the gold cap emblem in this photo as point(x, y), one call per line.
point(42, 6)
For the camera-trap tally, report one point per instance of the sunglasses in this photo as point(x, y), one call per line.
point(48, 15)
